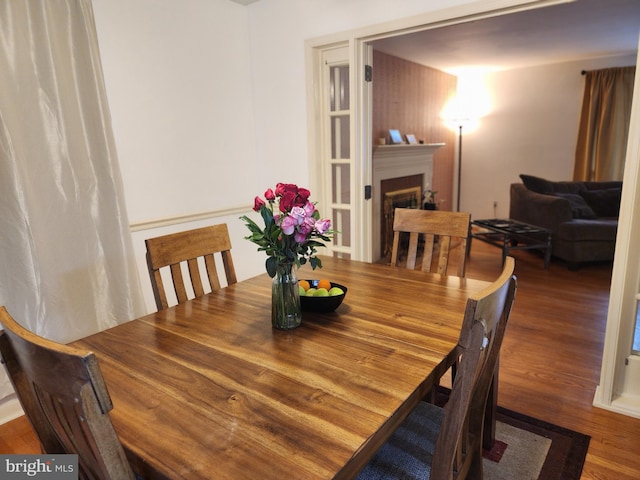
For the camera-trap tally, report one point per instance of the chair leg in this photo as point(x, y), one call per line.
point(475, 468)
point(489, 430)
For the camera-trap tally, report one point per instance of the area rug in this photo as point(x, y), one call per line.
point(529, 449)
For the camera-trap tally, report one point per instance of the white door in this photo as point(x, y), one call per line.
point(344, 149)
point(336, 162)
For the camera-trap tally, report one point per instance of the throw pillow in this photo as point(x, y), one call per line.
point(606, 203)
point(537, 184)
point(579, 207)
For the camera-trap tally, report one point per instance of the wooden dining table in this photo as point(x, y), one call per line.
point(209, 390)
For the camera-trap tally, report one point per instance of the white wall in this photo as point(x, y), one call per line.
point(178, 77)
point(532, 128)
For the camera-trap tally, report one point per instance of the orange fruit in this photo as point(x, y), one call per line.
point(304, 284)
point(324, 283)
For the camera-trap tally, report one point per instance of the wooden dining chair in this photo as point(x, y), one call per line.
point(65, 399)
point(187, 247)
point(451, 229)
point(446, 443)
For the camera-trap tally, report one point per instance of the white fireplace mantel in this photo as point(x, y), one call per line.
point(393, 161)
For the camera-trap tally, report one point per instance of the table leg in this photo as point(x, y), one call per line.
point(505, 248)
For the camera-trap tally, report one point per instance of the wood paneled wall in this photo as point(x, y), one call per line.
point(409, 97)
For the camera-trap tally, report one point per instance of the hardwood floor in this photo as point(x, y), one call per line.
point(552, 352)
point(550, 363)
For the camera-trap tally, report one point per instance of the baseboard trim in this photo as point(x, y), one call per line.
point(624, 404)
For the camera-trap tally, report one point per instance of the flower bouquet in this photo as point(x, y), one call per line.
point(292, 232)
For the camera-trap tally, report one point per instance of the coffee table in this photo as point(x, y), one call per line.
point(512, 235)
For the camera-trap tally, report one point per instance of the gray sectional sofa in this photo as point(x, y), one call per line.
point(583, 216)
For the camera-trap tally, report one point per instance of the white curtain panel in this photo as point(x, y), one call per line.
point(67, 265)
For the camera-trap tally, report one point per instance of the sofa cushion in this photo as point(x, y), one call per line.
point(582, 230)
point(602, 185)
point(606, 203)
point(541, 185)
point(579, 206)
point(536, 184)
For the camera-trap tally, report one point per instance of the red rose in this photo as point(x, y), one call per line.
point(257, 204)
point(287, 201)
point(304, 195)
point(283, 188)
point(269, 195)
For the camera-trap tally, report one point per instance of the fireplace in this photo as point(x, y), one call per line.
point(398, 167)
point(394, 196)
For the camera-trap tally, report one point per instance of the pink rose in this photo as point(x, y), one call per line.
point(310, 223)
point(300, 237)
point(309, 208)
point(298, 214)
point(257, 204)
point(323, 225)
point(288, 225)
point(306, 227)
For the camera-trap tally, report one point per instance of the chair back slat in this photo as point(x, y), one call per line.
point(64, 396)
point(194, 275)
point(188, 247)
point(229, 269)
point(450, 228)
point(178, 282)
point(157, 286)
point(212, 270)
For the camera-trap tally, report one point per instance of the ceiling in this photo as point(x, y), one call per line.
point(568, 32)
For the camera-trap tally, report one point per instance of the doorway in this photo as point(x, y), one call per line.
point(626, 267)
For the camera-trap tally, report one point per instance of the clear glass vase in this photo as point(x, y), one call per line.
point(285, 298)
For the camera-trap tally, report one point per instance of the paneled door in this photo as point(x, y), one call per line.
point(336, 161)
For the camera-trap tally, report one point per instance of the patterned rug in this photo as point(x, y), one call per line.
point(529, 449)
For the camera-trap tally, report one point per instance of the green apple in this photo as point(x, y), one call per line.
point(321, 292)
point(302, 291)
point(311, 292)
point(336, 291)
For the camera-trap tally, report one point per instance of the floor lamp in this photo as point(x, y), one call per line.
point(459, 164)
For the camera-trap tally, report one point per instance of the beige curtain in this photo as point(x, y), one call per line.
point(67, 265)
point(604, 124)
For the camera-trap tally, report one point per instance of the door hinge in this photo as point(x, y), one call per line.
point(367, 192)
point(368, 73)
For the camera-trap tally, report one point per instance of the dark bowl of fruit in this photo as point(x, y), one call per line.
point(321, 295)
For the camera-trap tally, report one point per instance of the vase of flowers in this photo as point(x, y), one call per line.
point(291, 234)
